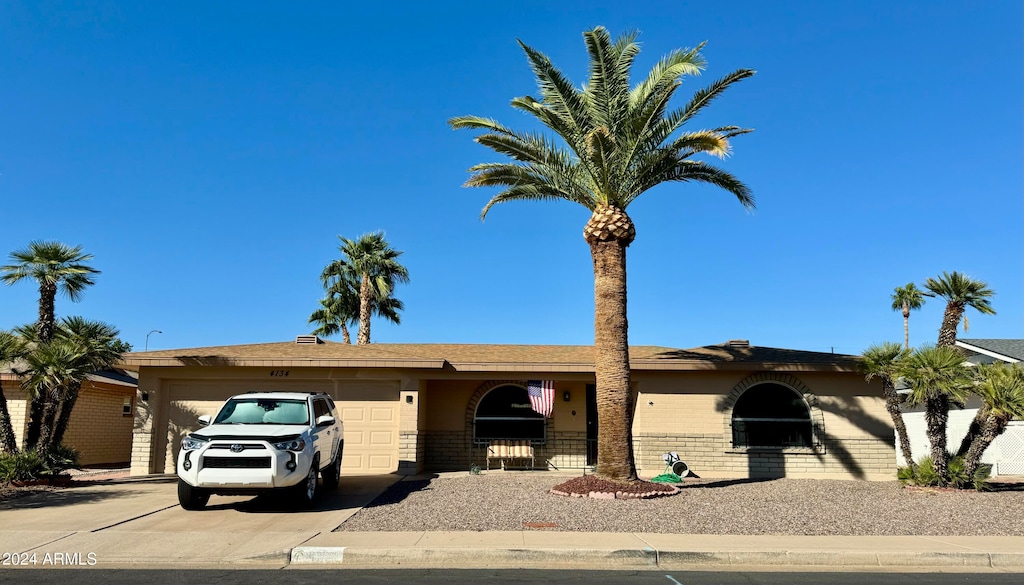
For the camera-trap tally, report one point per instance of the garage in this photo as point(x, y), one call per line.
point(368, 410)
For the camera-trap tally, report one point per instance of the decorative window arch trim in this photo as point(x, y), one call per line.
point(482, 391)
point(794, 384)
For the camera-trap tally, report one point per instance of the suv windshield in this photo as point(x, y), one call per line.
point(264, 411)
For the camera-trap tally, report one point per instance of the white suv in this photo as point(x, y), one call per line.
point(262, 441)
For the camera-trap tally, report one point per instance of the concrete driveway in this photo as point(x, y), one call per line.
point(135, 520)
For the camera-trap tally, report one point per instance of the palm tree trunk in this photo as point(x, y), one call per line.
point(611, 355)
point(973, 432)
point(35, 420)
point(344, 335)
point(892, 404)
point(364, 311)
point(991, 428)
point(47, 312)
point(64, 416)
point(46, 427)
point(906, 325)
point(8, 441)
point(950, 321)
point(936, 416)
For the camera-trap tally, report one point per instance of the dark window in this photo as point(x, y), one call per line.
point(505, 413)
point(320, 408)
point(771, 415)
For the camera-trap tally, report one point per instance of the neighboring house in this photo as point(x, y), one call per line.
point(987, 351)
point(1005, 454)
point(101, 423)
point(731, 410)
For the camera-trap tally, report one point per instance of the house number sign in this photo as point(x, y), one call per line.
point(279, 373)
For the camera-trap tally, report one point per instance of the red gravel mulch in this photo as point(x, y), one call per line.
point(595, 487)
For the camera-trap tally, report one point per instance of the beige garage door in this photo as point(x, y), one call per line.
point(371, 436)
point(369, 412)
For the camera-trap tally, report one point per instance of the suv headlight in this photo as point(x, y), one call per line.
point(191, 443)
point(291, 445)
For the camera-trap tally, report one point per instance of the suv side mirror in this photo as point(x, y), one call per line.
point(205, 420)
point(325, 421)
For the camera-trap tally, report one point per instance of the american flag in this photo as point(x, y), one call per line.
point(542, 395)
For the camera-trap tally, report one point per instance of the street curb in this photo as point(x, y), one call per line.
point(468, 557)
point(647, 558)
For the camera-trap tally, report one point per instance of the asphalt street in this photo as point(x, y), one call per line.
point(476, 577)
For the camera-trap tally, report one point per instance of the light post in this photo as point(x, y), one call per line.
point(151, 333)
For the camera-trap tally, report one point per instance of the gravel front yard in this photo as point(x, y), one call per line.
point(509, 501)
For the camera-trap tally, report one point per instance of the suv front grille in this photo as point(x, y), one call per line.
point(236, 462)
point(243, 446)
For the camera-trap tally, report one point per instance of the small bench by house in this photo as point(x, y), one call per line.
point(509, 450)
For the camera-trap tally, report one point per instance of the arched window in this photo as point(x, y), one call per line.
point(771, 415)
point(505, 413)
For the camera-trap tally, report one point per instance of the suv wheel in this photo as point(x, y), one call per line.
point(305, 491)
point(332, 476)
point(192, 498)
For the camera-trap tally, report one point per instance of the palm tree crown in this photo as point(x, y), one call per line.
point(907, 298)
point(619, 142)
point(614, 143)
point(54, 266)
point(960, 292)
point(371, 265)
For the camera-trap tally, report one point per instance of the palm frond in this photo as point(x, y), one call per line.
point(558, 92)
point(698, 102)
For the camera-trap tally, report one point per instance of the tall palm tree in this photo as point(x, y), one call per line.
point(907, 298)
point(54, 266)
point(373, 263)
point(11, 349)
point(882, 362)
point(960, 292)
point(1001, 390)
point(617, 143)
point(936, 376)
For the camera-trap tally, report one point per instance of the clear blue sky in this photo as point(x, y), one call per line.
point(208, 154)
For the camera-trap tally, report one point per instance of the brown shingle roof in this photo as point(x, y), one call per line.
point(488, 357)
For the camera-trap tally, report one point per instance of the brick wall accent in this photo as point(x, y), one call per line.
point(455, 451)
point(712, 456)
point(144, 432)
point(98, 427)
point(17, 405)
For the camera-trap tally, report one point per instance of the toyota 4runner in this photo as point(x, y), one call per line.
point(260, 442)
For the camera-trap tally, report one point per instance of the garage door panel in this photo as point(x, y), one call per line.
point(382, 438)
point(353, 415)
point(382, 414)
point(373, 426)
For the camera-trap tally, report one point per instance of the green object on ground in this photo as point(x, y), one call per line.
point(667, 478)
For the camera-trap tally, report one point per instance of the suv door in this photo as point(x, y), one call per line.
point(324, 436)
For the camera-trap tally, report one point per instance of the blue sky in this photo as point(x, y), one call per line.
point(208, 154)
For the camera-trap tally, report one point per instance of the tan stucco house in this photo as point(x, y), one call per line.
point(731, 410)
point(101, 423)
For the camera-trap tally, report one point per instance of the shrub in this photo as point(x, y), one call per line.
point(28, 465)
point(61, 458)
point(927, 476)
point(21, 466)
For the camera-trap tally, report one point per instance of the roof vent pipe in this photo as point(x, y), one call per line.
point(307, 340)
